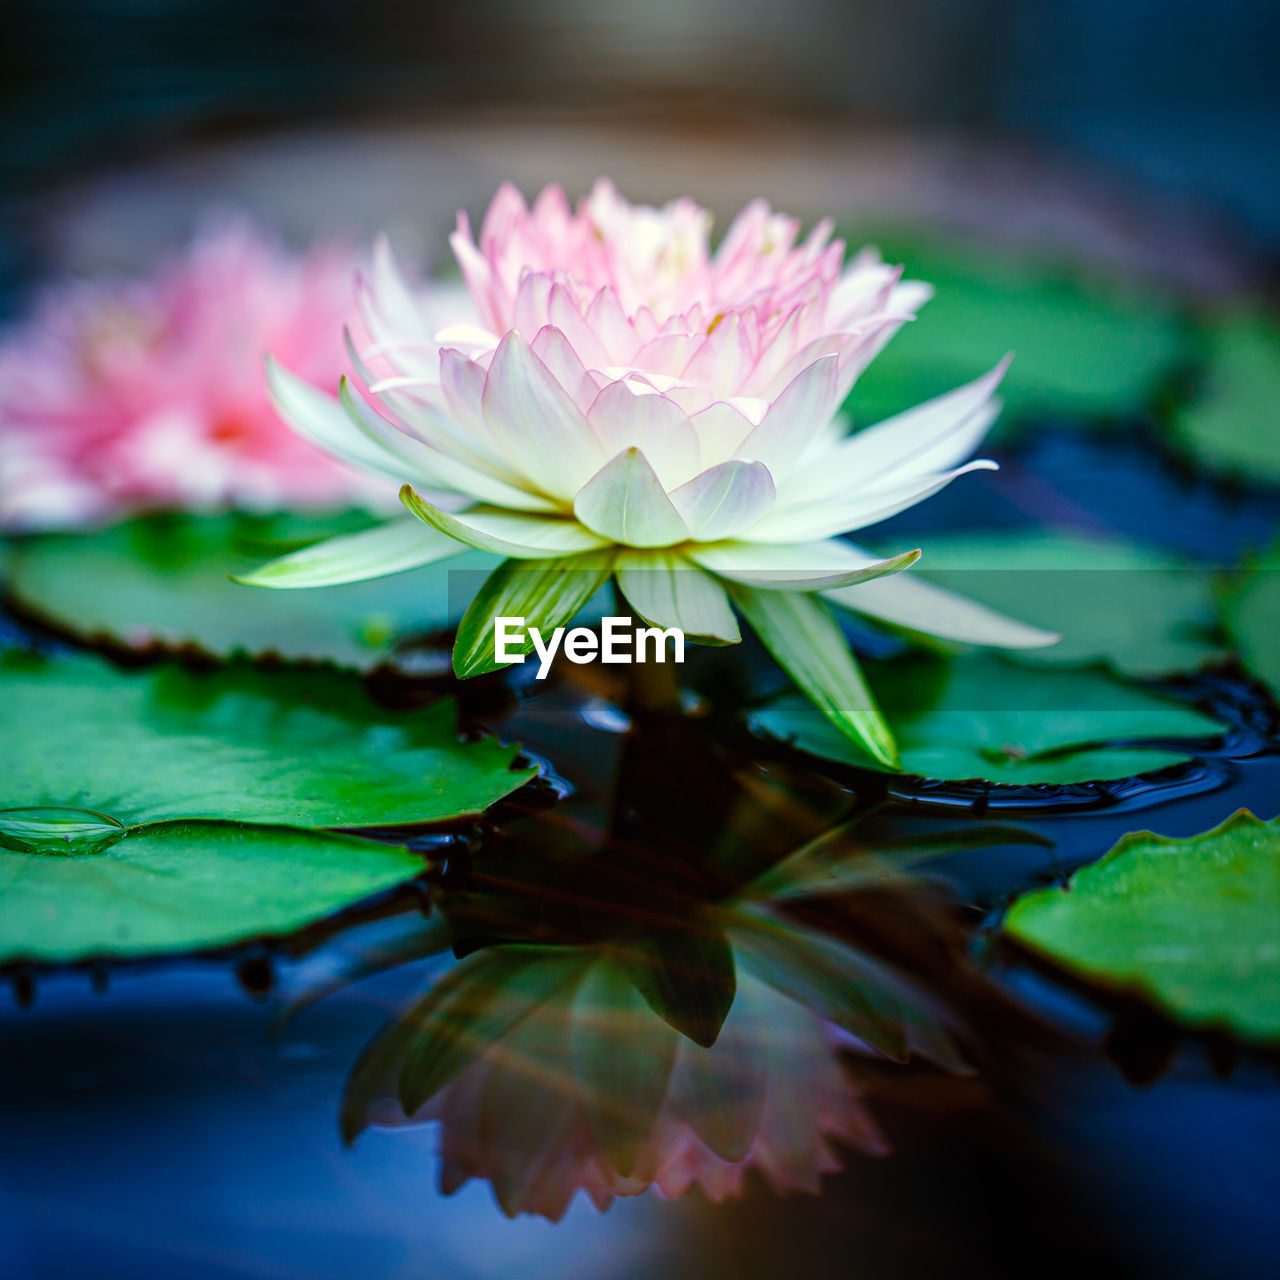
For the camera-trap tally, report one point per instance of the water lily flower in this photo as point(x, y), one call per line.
point(123, 395)
point(609, 397)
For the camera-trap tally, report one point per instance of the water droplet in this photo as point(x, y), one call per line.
point(58, 832)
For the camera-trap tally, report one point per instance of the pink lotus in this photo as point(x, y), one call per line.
point(145, 394)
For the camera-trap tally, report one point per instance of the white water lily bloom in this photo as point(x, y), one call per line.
point(609, 394)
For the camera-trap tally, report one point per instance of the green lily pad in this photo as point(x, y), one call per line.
point(298, 747)
point(1231, 423)
point(1189, 924)
point(1251, 613)
point(1083, 346)
point(161, 582)
point(1141, 611)
point(182, 887)
point(977, 717)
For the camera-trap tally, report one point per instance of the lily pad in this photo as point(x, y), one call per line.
point(161, 582)
point(1083, 346)
point(1251, 613)
point(1140, 610)
point(298, 747)
point(1189, 924)
point(979, 718)
point(1231, 422)
point(183, 887)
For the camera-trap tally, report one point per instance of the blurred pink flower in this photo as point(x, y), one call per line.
point(125, 395)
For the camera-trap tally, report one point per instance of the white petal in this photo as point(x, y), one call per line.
point(393, 316)
point(623, 419)
point(556, 352)
point(536, 424)
point(437, 469)
point(462, 385)
point(626, 503)
point(724, 499)
point(797, 522)
point(911, 602)
point(721, 428)
point(566, 317)
point(667, 591)
point(506, 533)
point(395, 298)
point(723, 361)
point(814, 566)
point(805, 406)
point(466, 335)
point(320, 419)
point(428, 415)
point(608, 321)
point(930, 438)
point(388, 548)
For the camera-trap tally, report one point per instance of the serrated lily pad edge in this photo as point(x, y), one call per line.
point(1130, 986)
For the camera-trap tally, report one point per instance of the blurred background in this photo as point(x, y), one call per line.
point(1145, 135)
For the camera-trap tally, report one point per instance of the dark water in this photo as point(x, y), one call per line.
point(163, 1121)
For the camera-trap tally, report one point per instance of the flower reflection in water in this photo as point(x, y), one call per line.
point(683, 1048)
point(593, 1091)
point(664, 984)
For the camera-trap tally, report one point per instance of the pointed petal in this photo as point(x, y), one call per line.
point(476, 273)
point(930, 438)
point(608, 321)
point(625, 503)
point(813, 566)
point(910, 602)
point(395, 298)
point(654, 424)
point(537, 425)
point(392, 315)
point(721, 428)
point(807, 643)
point(805, 406)
point(797, 522)
point(556, 352)
point(320, 419)
point(665, 590)
point(569, 320)
point(462, 384)
point(725, 499)
point(723, 361)
point(506, 533)
point(373, 553)
point(436, 469)
point(423, 412)
point(532, 305)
